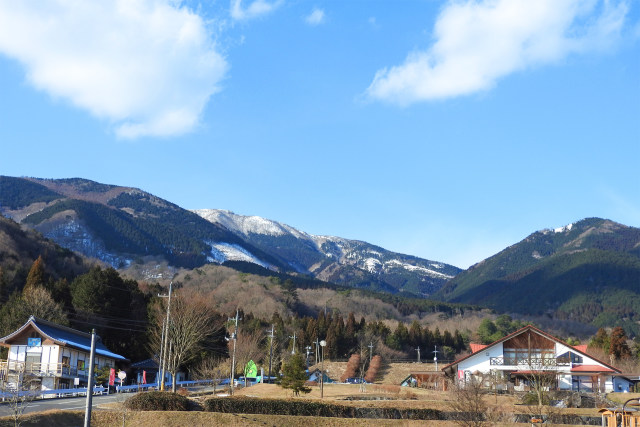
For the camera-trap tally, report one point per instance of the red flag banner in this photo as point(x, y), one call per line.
point(112, 376)
point(144, 377)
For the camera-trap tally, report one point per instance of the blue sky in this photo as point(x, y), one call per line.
point(446, 130)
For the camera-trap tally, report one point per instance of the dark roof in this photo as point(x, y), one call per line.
point(65, 336)
point(145, 364)
point(533, 328)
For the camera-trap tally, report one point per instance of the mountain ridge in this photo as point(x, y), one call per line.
point(119, 224)
point(587, 271)
point(324, 257)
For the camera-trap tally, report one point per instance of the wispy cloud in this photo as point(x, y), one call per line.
point(255, 9)
point(316, 17)
point(148, 67)
point(478, 42)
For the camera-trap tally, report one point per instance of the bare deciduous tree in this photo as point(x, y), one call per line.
point(468, 401)
point(211, 368)
point(18, 394)
point(191, 324)
point(248, 347)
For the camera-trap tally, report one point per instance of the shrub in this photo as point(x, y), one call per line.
point(352, 367)
point(158, 401)
point(374, 367)
point(247, 405)
point(531, 398)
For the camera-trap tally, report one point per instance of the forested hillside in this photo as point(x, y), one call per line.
point(588, 272)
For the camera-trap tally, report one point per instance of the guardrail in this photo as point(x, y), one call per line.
point(62, 392)
point(143, 387)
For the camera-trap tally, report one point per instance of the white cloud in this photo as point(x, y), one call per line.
point(147, 66)
point(478, 42)
point(316, 17)
point(256, 9)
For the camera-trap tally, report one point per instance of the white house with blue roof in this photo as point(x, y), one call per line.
point(53, 354)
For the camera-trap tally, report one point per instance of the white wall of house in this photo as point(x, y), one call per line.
point(482, 361)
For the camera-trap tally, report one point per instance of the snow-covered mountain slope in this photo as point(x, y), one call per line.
point(335, 259)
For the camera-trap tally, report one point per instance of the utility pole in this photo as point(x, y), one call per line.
point(317, 351)
point(323, 343)
point(161, 352)
point(308, 348)
point(418, 349)
point(293, 349)
point(163, 364)
point(370, 352)
point(271, 351)
point(87, 411)
point(435, 356)
point(234, 337)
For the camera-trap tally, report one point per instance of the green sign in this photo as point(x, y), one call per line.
point(251, 370)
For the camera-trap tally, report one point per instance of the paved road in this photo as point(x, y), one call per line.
point(79, 403)
point(68, 403)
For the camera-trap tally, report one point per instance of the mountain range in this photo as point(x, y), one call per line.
point(587, 272)
point(119, 225)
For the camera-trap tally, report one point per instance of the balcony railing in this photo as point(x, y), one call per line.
point(40, 369)
point(534, 362)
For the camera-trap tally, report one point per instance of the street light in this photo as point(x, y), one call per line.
point(323, 343)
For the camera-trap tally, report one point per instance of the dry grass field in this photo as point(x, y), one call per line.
point(388, 393)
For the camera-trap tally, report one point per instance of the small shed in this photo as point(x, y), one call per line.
point(430, 380)
point(314, 376)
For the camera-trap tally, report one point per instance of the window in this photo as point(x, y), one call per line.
point(520, 356)
point(65, 360)
point(80, 365)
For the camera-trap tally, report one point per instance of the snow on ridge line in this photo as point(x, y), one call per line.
point(562, 229)
point(249, 224)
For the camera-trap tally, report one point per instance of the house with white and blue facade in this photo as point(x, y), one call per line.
point(52, 355)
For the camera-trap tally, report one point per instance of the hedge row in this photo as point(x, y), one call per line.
point(158, 401)
point(247, 405)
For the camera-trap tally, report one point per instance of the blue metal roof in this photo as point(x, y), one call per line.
point(79, 340)
point(64, 335)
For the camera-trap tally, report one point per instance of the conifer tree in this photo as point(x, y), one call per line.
point(35, 278)
point(618, 347)
point(601, 340)
point(4, 291)
point(415, 334)
point(294, 375)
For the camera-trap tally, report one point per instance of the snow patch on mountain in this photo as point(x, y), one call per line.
point(372, 265)
point(221, 252)
point(396, 263)
point(75, 236)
